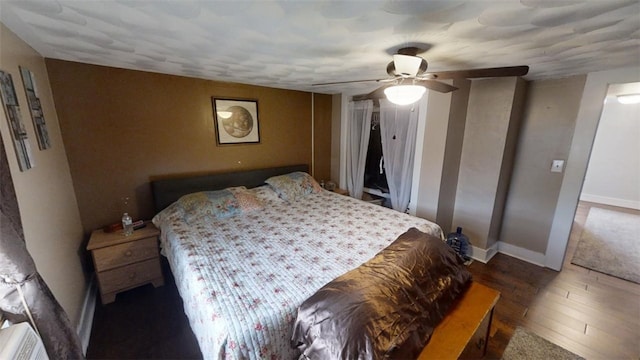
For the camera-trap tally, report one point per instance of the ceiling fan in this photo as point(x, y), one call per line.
point(409, 78)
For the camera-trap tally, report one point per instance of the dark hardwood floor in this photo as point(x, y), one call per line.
point(143, 323)
point(591, 314)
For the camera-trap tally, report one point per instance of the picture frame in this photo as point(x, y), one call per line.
point(18, 131)
point(236, 121)
point(35, 108)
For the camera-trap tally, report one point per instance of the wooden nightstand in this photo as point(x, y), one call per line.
point(341, 191)
point(125, 262)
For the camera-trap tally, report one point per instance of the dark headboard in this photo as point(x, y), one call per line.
point(166, 191)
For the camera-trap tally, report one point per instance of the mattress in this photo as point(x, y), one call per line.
point(242, 278)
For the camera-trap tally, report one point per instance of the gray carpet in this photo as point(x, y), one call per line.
point(525, 345)
point(610, 244)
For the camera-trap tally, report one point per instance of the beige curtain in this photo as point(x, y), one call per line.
point(359, 130)
point(398, 129)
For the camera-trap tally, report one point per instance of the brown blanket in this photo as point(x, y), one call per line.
point(385, 308)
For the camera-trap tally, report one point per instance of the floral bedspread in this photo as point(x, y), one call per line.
point(242, 278)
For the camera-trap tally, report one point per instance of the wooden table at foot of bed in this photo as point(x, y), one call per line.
point(464, 332)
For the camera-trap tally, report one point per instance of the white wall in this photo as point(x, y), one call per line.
point(436, 175)
point(429, 161)
point(589, 113)
point(48, 206)
point(488, 147)
point(548, 123)
point(613, 174)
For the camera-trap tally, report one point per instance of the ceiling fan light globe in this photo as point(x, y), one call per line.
point(629, 99)
point(404, 94)
point(407, 65)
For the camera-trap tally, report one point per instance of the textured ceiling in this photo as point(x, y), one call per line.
point(293, 44)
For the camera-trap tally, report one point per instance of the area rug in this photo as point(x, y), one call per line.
point(525, 345)
point(610, 244)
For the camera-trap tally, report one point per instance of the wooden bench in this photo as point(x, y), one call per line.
point(464, 332)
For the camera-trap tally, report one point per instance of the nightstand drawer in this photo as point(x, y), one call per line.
point(129, 276)
point(124, 262)
point(123, 254)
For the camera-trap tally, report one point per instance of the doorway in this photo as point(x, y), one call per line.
point(610, 187)
point(613, 170)
point(589, 113)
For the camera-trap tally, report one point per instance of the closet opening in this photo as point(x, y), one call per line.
point(376, 189)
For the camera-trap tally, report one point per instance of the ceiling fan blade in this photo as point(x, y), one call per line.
point(346, 82)
point(436, 85)
point(480, 73)
point(429, 84)
point(374, 95)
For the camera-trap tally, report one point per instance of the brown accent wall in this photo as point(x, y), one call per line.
point(336, 137)
point(122, 127)
point(322, 133)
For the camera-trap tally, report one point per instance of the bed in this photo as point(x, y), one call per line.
point(242, 275)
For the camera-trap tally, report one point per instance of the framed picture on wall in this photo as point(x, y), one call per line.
point(236, 121)
point(33, 101)
point(19, 135)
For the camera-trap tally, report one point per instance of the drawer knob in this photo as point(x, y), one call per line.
point(128, 253)
point(132, 275)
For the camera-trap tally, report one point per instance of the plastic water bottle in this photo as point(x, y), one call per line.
point(459, 242)
point(127, 224)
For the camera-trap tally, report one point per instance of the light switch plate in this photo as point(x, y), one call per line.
point(557, 166)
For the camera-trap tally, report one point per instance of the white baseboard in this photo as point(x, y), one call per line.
point(631, 204)
point(517, 252)
point(483, 255)
point(86, 316)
